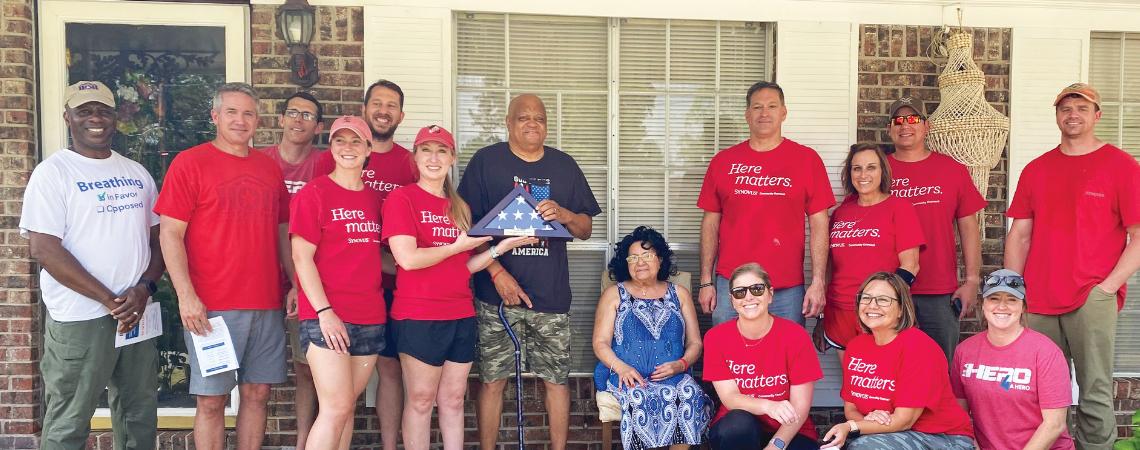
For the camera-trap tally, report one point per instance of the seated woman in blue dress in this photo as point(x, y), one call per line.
point(646, 337)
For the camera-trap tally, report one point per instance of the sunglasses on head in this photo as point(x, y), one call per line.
point(1013, 281)
point(756, 290)
point(910, 119)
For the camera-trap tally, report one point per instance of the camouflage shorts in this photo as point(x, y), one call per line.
point(545, 340)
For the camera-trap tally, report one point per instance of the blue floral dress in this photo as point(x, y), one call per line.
point(672, 411)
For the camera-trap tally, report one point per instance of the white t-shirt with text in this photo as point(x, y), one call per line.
point(102, 210)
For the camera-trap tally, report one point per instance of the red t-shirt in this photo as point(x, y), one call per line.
point(942, 192)
point(384, 173)
point(908, 372)
point(766, 368)
point(763, 198)
point(345, 227)
point(439, 292)
point(1081, 207)
point(1007, 387)
point(868, 239)
point(232, 206)
point(296, 175)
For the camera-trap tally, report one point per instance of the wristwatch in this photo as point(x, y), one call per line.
point(151, 286)
point(494, 252)
point(778, 443)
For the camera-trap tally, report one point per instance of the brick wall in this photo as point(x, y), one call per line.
point(894, 60)
point(20, 311)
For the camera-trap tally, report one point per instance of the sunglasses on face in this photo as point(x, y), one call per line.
point(756, 290)
point(648, 257)
point(881, 301)
point(1013, 281)
point(304, 115)
point(910, 119)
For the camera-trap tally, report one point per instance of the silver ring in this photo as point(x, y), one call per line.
point(136, 313)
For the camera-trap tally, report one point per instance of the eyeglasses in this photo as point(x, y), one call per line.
point(756, 290)
point(881, 301)
point(1013, 281)
point(648, 257)
point(911, 119)
point(304, 115)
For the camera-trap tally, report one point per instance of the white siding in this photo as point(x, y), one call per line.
point(817, 67)
point(1044, 60)
point(413, 48)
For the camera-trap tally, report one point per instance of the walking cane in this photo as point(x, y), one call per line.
point(518, 371)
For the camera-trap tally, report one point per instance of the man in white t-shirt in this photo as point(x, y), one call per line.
point(87, 214)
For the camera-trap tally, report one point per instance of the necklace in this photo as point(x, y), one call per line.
point(644, 291)
point(755, 342)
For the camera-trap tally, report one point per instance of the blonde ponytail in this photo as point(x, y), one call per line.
point(457, 210)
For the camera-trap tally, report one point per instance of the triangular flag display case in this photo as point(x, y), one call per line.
point(517, 215)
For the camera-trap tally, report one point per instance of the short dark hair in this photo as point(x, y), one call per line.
point(763, 85)
point(650, 239)
point(385, 84)
point(303, 95)
point(884, 166)
point(906, 304)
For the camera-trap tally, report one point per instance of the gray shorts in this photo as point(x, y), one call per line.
point(259, 343)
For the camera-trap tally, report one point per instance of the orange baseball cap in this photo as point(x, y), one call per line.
point(1084, 90)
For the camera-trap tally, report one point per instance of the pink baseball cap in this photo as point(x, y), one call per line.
point(356, 124)
point(435, 133)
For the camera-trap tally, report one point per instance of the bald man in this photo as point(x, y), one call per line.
point(533, 281)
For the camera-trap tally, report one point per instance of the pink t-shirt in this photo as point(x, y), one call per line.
point(763, 198)
point(384, 173)
point(1081, 207)
point(438, 292)
point(345, 227)
point(232, 206)
point(942, 192)
point(1007, 387)
point(868, 239)
point(296, 175)
point(908, 372)
point(766, 368)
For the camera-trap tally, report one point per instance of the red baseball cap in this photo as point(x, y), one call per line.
point(434, 133)
point(356, 124)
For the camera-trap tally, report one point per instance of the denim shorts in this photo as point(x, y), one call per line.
point(363, 340)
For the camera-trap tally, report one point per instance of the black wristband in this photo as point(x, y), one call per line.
point(319, 311)
point(905, 275)
point(151, 286)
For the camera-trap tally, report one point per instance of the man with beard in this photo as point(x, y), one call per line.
point(87, 216)
point(389, 166)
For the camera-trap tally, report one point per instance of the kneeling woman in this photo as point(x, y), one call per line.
point(1026, 406)
point(335, 226)
point(896, 389)
point(425, 225)
point(764, 369)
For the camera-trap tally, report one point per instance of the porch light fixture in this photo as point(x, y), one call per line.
point(296, 21)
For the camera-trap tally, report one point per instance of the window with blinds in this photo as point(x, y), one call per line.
point(1114, 69)
point(641, 104)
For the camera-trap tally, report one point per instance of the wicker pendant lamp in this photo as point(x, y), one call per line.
point(965, 127)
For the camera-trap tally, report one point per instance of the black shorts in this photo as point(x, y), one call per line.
point(437, 341)
point(363, 340)
point(389, 350)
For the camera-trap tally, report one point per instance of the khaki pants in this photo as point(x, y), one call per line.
point(1087, 336)
point(80, 361)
